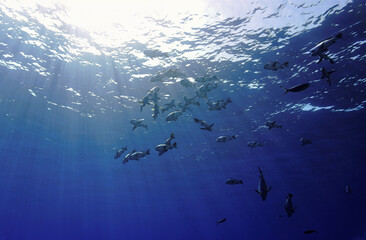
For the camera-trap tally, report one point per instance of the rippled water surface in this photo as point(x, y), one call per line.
point(74, 73)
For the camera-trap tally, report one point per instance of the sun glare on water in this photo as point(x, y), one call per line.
point(97, 15)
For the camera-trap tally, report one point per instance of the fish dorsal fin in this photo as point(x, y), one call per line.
point(269, 189)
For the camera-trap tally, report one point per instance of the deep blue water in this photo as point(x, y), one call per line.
point(64, 111)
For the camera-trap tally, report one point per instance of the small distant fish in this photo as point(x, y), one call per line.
point(169, 105)
point(226, 138)
point(155, 53)
point(233, 181)
point(173, 116)
point(255, 144)
point(164, 147)
point(205, 125)
point(348, 189)
point(309, 231)
point(262, 187)
point(156, 111)
point(206, 78)
point(218, 105)
point(275, 65)
point(297, 88)
point(305, 141)
point(186, 83)
point(326, 74)
point(221, 220)
point(290, 209)
point(272, 124)
point(120, 152)
point(137, 123)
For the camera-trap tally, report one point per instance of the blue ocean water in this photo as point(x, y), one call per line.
point(68, 94)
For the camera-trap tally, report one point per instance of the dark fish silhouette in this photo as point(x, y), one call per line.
point(297, 88)
point(221, 220)
point(309, 231)
point(326, 74)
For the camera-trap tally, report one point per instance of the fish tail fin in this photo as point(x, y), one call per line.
point(269, 189)
point(320, 60)
point(175, 145)
point(339, 35)
point(285, 64)
point(148, 152)
point(260, 171)
point(323, 75)
point(241, 181)
point(330, 72)
point(286, 90)
point(330, 60)
point(172, 136)
point(196, 120)
point(290, 195)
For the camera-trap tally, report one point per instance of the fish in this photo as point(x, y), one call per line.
point(137, 155)
point(305, 141)
point(255, 144)
point(205, 125)
point(186, 83)
point(156, 111)
point(323, 46)
point(128, 157)
point(272, 124)
point(221, 220)
point(226, 138)
point(170, 73)
point(297, 88)
point(326, 74)
point(233, 181)
point(309, 231)
point(325, 56)
point(169, 105)
point(290, 209)
point(206, 78)
point(262, 187)
point(119, 152)
point(137, 123)
point(204, 89)
point(173, 116)
point(275, 65)
point(218, 105)
point(348, 189)
point(144, 102)
point(155, 53)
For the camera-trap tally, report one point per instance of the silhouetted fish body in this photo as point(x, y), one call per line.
point(298, 88)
